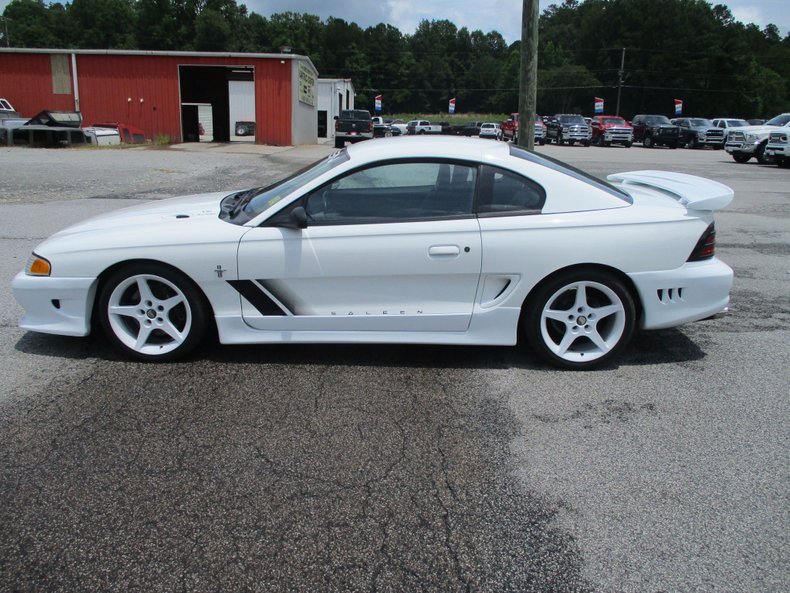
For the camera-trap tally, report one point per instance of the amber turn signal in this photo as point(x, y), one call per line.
point(38, 266)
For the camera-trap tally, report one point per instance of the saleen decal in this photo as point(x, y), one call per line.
point(257, 297)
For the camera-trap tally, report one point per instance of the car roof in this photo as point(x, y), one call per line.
point(428, 147)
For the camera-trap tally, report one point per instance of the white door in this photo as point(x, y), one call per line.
point(242, 110)
point(390, 248)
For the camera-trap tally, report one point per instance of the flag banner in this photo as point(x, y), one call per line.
point(678, 107)
point(378, 102)
point(451, 108)
point(598, 105)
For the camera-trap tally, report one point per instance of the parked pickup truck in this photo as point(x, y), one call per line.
point(611, 129)
point(655, 130)
point(353, 125)
point(751, 141)
point(778, 147)
point(568, 127)
point(421, 126)
point(383, 128)
point(510, 129)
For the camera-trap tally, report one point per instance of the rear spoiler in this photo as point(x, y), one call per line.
point(695, 193)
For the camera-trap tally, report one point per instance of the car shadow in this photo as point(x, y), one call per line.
point(653, 347)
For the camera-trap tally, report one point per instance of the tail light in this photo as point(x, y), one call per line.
point(706, 246)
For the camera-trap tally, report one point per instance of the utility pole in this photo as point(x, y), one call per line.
point(528, 80)
point(620, 80)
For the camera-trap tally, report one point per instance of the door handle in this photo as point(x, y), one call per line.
point(445, 250)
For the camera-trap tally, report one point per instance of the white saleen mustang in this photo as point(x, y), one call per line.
point(408, 240)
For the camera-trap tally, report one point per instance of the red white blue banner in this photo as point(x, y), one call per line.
point(598, 105)
point(451, 108)
point(378, 102)
point(678, 107)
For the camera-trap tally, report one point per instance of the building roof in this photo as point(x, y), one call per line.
point(143, 53)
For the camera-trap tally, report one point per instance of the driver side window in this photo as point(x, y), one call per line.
point(395, 192)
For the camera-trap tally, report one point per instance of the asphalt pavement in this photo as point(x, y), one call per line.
point(393, 468)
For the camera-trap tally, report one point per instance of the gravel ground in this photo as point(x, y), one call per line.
point(384, 468)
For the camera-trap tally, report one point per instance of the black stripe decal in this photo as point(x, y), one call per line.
point(257, 298)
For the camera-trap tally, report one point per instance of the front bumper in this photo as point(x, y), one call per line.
point(55, 305)
point(780, 150)
point(741, 147)
point(694, 291)
point(616, 136)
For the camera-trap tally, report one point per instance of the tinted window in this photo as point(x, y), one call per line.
point(556, 165)
point(355, 114)
point(395, 192)
point(504, 192)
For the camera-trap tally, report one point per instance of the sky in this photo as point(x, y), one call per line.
point(487, 15)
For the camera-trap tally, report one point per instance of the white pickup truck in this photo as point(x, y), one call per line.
point(751, 141)
point(421, 126)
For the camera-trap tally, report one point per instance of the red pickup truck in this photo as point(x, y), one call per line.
point(611, 129)
point(510, 129)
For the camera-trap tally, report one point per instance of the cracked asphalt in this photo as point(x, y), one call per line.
point(393, 468)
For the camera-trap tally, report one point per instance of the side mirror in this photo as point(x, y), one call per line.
point(299, 217)
point(334, 117)
point(295, 219)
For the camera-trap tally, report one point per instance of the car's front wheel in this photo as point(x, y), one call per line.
point(741, 157)
point(152, 312)
point(580, 319)
point(647, 142)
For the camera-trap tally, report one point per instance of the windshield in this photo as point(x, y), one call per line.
point(572, 119)
point(699, 122)
point(613, 121)
point(779, 120)
point(269, 196)
point(655, 120)
point(737, 123)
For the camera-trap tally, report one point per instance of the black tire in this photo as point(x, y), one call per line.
point(673, 145)
point(628, 144)
point(165, 324)
point(560, 141)
point(339, 143)
point(691, 144)
point(741, 157)
point(585, 143)
point(784, 163)
point(564, 329)
point(760, 155)
point(647, 142)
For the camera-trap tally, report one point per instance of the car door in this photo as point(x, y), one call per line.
point(392, 247)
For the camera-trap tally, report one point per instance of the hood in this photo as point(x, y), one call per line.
point(763, 129)
point(151, 214)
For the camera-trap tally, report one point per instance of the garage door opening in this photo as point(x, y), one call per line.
point(217, 103)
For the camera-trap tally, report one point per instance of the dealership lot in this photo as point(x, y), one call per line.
point(393, 468)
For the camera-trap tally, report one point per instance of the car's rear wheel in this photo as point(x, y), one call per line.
point(741, 157)
point(647, 142)
point(152, 312)
point(580, 319)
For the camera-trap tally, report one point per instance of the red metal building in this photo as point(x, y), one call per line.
point(175, 94)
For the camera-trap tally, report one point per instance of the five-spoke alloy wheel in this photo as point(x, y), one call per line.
point(152, 312)
point(580, 319)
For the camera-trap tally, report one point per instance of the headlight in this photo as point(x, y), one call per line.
point(751, 138)
point(566, 129)
point(38, 266)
